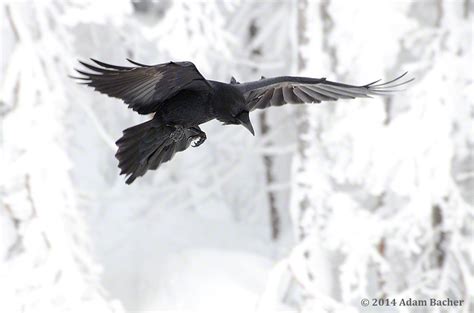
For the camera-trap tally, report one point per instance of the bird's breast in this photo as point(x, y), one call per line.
point(186, 110)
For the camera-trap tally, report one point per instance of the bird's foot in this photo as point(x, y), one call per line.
point(199, 138)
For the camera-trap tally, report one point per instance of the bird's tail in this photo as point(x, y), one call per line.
point(145, 146)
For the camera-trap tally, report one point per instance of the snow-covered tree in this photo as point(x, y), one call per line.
point(45, 248)
point(379, 211)
point(329, 203)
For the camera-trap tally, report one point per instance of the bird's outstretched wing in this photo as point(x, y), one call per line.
point(289, 89)
point(143, 87)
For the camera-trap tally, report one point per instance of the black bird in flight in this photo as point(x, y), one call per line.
point(181, 99)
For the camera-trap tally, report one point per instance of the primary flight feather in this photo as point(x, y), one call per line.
point(182, 99)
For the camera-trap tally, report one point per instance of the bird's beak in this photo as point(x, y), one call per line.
point(245, 121)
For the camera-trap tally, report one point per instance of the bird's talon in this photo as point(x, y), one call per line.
point(198, 140)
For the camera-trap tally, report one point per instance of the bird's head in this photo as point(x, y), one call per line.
point(230, 107)
point(240, 118)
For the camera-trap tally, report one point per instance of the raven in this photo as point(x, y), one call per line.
point(181, 99)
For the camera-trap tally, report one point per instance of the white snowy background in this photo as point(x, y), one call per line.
point(329, 203)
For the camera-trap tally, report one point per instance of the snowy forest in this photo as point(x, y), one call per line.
point(327, 205)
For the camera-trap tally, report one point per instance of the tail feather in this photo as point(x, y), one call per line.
point(146, 146)
point(131, 155)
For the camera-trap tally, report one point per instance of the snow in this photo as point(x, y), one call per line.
point(374, 196)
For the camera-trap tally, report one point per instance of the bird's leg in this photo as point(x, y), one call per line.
point(198, 136)
point(178, 133)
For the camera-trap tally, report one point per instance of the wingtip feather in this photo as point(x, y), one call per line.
point(136, 63)
point(106, 65)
